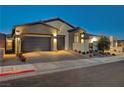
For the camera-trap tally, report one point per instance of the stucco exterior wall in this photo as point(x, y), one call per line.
point(71, 40)
point(38, 29)
point(63, 30)
point(2, 40)
point(117, 49)
point(75, 37)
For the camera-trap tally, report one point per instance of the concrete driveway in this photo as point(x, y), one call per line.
point(52, 56)
point(42, 56)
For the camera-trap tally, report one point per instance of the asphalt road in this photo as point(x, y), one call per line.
point(107, 75)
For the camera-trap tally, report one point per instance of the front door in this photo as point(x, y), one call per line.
point(61, 42)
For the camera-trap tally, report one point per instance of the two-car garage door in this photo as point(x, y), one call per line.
point(30, 43)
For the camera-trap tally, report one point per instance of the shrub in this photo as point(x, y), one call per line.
point(75, 50)
point(90, 55)
point(91, 51)
point(83, 53)
point(96, 50)
point(113, 54)
point(22, 58)
point(79, 51)
point(94, 54)
point(87, 52)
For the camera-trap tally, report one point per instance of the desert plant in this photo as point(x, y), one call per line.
point(104, 43)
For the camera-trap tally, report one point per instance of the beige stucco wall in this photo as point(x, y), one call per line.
point(38, 29)
point(63, 30)
point(117, 49)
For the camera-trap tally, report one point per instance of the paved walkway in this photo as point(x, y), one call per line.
point(44, 68)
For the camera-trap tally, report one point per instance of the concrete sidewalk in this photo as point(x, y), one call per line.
point(44, 68)
point(15, 69)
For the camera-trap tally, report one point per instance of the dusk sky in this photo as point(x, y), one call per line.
point(100, 20)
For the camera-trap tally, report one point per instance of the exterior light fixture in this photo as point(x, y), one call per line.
point(82, 35)
point(17, 32)
point(82, 40)
point(55, 40)
point(54, 34)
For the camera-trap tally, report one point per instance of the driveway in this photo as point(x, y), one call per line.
point(52, 56)
point(42, 56)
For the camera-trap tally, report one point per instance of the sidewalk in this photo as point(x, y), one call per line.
point(44, 68)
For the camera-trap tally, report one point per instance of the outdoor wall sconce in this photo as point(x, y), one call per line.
point(17, 32)
point(82, 35)
point(54, 34)
point(55, 40)
point(82, 40)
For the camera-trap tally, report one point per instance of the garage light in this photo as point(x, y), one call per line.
point(82, 40)
point(54, 34)
point(17, 32)
point(55, 40)
point(82, 35)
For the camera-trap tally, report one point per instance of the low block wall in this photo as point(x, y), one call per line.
point(117, 50)
point(81, 47)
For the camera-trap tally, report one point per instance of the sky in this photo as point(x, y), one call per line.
point(100, 20)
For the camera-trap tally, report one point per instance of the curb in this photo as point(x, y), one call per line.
point(20, 72)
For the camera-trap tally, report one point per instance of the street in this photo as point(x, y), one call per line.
point(106, 75)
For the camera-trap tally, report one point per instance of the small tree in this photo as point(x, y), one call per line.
point(104, 43)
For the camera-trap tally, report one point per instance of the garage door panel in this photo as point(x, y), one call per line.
point(36, 43)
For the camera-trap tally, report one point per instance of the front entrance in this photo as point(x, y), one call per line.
point(60, 42)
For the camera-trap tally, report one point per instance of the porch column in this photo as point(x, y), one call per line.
point(54, 43)
point(17, 45)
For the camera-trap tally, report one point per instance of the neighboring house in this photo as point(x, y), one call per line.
point(120, 44)
point(2, 44)
point(9, 44)
point(93, 40)
point(113, 41)
point(53, 34)
point(2, 40)
point(116, 46)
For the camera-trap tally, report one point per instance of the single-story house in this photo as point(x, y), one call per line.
point(120, 46)
point(120, 43)
point(116, 46)
point(47, 35)
point(2, 40)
